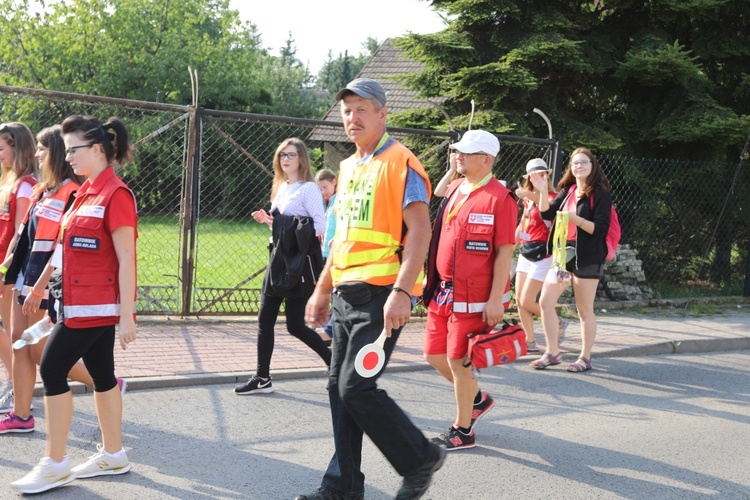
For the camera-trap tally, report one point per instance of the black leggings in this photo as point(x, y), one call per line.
point(66, 346)
point(295, 324)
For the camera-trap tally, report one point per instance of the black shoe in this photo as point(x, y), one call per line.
point(321, 494)
point(415, 485)
point(480, 409)
point(255, 386)
point(453, 439)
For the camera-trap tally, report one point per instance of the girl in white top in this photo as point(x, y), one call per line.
point(293, 193)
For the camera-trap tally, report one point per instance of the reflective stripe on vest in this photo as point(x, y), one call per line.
point(43, 246)
point(477, 307)
point(468, 307)
point(91, 311)
point(366, 243)
point(376, 274)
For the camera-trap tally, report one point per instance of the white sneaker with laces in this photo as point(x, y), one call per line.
point(47, 474)
point(102, 463)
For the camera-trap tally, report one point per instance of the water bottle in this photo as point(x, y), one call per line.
point(34, 333)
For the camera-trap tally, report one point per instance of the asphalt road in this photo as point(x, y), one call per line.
point(644, 427)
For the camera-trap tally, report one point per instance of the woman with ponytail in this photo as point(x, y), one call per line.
point(97, 243)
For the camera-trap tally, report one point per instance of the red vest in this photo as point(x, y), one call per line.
point(474, 250)
point(536, 228)
point(91, 290)
point(49, 217)
point(8, 215)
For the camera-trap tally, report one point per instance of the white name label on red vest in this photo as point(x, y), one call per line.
point(49, 214)
point(486, 219)
point(58, 205)
point(91, 211)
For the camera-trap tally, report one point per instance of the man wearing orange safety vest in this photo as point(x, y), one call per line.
point(467, 282)
point(374, 269)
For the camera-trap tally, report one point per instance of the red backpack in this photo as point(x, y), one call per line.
point(614, 233)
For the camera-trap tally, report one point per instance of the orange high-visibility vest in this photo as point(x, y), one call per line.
point(370, 231)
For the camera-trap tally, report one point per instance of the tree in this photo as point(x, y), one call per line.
point(140, 49)
point(336, 73)
point(667, 78)
point(660, 79)
point(291, 85)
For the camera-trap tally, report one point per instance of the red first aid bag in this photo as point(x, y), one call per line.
point(497, 347)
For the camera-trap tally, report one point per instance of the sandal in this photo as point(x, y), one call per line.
point(581, 365)
point(547, 360)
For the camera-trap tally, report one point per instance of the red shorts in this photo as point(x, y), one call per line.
point(447, 332)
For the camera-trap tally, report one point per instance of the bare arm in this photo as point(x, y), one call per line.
point(397, 310)
point(123, 239)
point(541, 185)
point(31, 302)
point(442, 186)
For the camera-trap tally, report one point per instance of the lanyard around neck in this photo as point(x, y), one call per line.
point(457, 206)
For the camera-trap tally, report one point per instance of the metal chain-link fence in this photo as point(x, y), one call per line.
point(671, 214)
point(159, 134)
point(235, 180)
point(198, 174)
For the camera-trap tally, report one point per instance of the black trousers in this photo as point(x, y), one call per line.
point(295, 324)
point(358, 405)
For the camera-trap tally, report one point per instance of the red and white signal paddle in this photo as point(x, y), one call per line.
point(371, 358)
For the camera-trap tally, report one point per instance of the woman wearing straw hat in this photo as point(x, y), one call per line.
point(534, 260)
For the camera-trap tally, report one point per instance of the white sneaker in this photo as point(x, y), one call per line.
point(6, 402)
point(102, 463)
point(47, 474)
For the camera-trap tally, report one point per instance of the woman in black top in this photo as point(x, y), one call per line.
point(583, 193)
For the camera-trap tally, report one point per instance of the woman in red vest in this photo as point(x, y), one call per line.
point(97, 239)
point(19, 170)
point(32, 248)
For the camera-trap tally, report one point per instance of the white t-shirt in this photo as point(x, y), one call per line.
point(25, 190)
point(302, 198)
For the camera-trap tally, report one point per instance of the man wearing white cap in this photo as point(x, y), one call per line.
point(469, 265)
point(375, 264)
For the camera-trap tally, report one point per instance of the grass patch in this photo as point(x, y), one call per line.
point(227, 252)
point(158, 250)
point(704, 309)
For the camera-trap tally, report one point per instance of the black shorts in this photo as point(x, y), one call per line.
point(593, 271)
